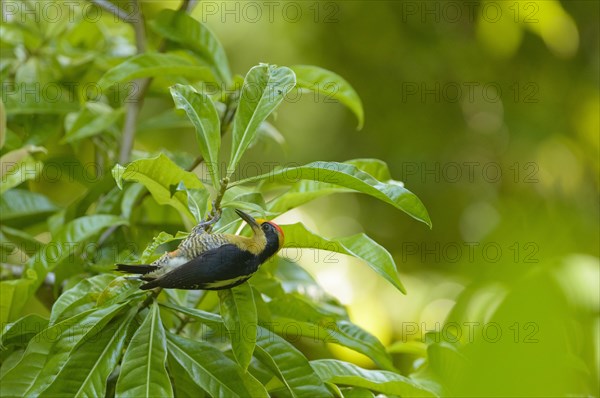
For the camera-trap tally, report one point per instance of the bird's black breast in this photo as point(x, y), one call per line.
point(216, 269)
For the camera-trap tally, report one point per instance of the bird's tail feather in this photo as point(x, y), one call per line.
point(149, 285)
point(136, 269)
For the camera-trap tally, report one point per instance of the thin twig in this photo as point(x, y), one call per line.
point(134, 107)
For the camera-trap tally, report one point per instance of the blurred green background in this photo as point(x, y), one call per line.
point(489, 113)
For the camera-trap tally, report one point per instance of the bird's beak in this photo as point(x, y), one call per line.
point(248, 218)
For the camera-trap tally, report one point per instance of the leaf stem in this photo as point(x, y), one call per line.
point(151, 297)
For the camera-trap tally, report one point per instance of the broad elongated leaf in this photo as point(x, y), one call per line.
point(9, 160)
point(331, 86)
point(202, 113)
point(198, 203)
point(19, 333)
point(69, 240)
point(356, 392)
point(334, 332)
point(182, 383)
point(170, 119)
point(24, 99)
point(130, 197)
point(244, 199)
point(20, 208)
point(290, 365)
point(239, 314)
point(212, 370)
point(2, 124)
point(213, 321)
point(160, 176)
point(389, 383)
point(143, 372)
point(25, 169)
point(264, 88)
point(26, 372)
point(79, 298)
point(19, 238)
point(297, 306)
point(14, 295)
point(120, 289)
point(154, 64)
point(181, 28)
point(93, 119)
point(88, 367)
point(304, 191)
point(349, 176)
point(158, 240)
point(359, 246)
point(49, 350)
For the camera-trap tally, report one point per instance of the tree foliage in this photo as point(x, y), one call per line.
point(103, 336)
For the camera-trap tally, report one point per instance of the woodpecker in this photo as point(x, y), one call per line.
point(212, 261)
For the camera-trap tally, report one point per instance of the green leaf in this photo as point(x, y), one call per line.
point(89, 365)
point(359, 246)
point(143, 372)
point(154, 64)
point(120, 289)
point(182, 383)
point(211, 320)
point(303, 192)
point(244, 198)
point(297, 279)
point(267, 134)
point(290, 365)
point(334, 332)
point(356, 392)
point(239, 314)
point(49, 350)
point(158, 240)
point(20, 332)
point(70, 239)
point(14, 295)
point(197, 201)
point(20, 208)
point(349, 176)
point(79, 298)
point(28, 98)
point(181, 28)
point(159, 175)
point(301, 307)
point(10, 361)
point(212, 370)
point(93, 119)
point(170, 119)
point(264, 88)
point(330, 85)
point(2, 124)
point(130, 197)
point(25, 169)
point(203, 115)
point(389, 383)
